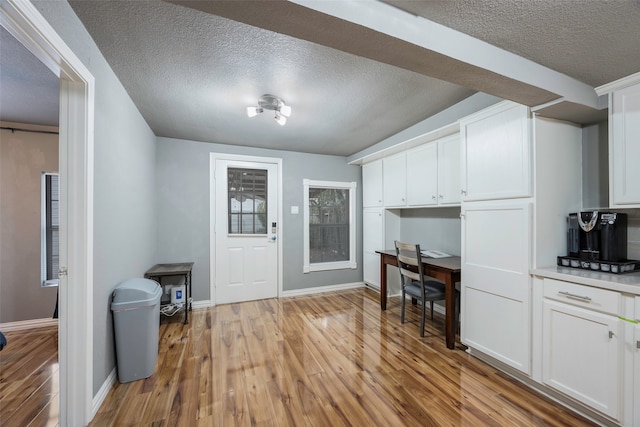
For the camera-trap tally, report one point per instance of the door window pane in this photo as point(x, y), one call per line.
point(247, 201)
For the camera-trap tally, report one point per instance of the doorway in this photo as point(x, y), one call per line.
point(246, 228)
point(75, 350)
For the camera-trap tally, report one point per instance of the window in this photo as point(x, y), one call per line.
point(329, 225)
point(50, 229)
point(247, 204)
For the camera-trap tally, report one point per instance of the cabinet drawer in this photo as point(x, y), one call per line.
point(598, 299)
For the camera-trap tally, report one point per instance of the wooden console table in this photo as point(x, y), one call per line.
point(158, 271)
point(445, 269)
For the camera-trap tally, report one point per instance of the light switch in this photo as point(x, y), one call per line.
point(294, 210)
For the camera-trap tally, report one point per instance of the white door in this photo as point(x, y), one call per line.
point(246, 227)
point(581, 355)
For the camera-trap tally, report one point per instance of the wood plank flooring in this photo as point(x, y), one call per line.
point(29, 378)
point(331, 359)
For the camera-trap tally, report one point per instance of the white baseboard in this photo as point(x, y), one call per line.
point(321, 289)
point(201, 304)
point(27, 324)
point(99, 398)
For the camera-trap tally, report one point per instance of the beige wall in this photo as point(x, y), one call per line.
point(23, 158)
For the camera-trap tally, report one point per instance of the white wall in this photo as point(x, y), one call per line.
point(124, 187)
point(183, 209)
point(23, 158)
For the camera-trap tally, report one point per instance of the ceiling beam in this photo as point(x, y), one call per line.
point(383, 33)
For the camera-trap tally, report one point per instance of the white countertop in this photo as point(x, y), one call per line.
point(627, 282)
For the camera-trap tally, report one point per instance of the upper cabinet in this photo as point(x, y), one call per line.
point(372, 184)
point(496, 153)
point(449, 170)
point(624, 147)
point(394, 173)
point(422, 175)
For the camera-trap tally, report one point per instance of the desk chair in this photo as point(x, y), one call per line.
point(414, 282)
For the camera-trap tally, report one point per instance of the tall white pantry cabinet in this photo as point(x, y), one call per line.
point(520, 177)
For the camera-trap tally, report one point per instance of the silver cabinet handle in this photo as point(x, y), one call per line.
point(433, 197)
point(611, 335)
point(570, 295)
point(463, 192)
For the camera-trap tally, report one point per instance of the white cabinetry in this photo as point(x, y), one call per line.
point(433, 173)
point(503, 238)
point(583, 343)
point(496, 153)
point(372, 241)
point(624, 147)
point(636, 366)
point(372, 184)
point(422, 175)
point(496, 249)
point(394, 173)
point(449, 170)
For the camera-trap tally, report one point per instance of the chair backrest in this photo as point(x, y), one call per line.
point(409, 262)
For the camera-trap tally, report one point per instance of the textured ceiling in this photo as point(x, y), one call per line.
point(594, 41)
point(29, 90)
point(192, 67)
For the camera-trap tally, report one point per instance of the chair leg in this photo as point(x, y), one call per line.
point(402, 311)
point(422, 319)
point(431, 310)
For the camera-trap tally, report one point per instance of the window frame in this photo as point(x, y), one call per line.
point(335, 265)
point(44, 259)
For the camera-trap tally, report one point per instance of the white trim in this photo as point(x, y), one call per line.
point(101, 395)
point(77, 91)
point(202, 304)
point(618, 84)
point(351, 263)
point(212, 214)
point(28, 324)
point(322, 289)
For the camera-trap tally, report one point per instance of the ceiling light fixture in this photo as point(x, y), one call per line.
point(273, 103)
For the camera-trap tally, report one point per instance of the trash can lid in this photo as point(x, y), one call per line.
point(136, 292)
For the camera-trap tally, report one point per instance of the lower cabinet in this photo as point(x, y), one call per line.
point(583, 343)
point(496, 285)
point(372, 241)
point(636, 366)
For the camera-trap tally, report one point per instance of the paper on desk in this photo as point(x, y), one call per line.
point(432, 253)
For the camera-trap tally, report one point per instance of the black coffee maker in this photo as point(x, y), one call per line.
point(597, 236)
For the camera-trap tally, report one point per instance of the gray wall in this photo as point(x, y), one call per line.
point(433, 228)
point(124, 189)
point(183, 209)
point(23, 158)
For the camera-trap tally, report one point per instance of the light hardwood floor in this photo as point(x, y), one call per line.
point(29, 378)
point(332, 359)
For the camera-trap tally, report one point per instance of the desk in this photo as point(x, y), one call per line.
point(445, 269)
point(158, 271)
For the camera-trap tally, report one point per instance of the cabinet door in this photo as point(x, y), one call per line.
point(581, 355)
point(449, 170)
point(496, 153)
point(636, 371)
point(422, 175)
point(372, 184)
point(394, 173)
point(496, 285)
point(372, 240)
point(625, 147)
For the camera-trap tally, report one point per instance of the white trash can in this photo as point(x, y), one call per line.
point(136, 320)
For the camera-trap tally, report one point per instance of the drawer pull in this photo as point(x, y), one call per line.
point(570, 295)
